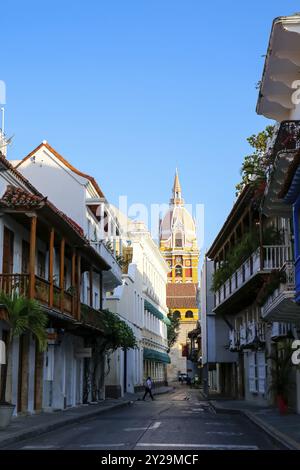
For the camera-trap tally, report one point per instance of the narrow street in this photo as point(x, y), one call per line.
point(174, 421)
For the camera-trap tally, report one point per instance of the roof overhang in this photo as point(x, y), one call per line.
point(281, 69)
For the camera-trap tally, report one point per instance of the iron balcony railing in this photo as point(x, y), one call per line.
point(269, 258)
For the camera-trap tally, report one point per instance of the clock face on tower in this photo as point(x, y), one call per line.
point(178, 259)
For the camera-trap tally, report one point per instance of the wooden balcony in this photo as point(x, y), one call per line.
point(280, 305)
point(260, 262)
point(249, 335)
point(19, 283)
point(92, 317)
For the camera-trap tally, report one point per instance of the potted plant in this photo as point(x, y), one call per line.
point(281, 377)
point(22, 315)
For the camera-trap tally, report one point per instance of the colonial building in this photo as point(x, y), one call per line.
point(136, 292)
point(141, 301)
point(217, 359)
point(178, 245)
point(278, 99)
point(81, 198)
point(45, 256)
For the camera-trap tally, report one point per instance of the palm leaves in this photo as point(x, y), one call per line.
point(281, 374)
point(25, 315)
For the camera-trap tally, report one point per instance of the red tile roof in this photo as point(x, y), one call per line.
point(182, 295)
point(18, 175)
point(19, 198)
point(16, 197)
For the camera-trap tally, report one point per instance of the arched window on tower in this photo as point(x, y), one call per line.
point(178, 271)
point(178, 240)
point(176, 315)
point(189, 314)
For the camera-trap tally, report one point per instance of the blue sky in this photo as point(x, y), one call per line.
point(129, 90)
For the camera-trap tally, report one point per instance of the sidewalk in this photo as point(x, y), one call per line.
point(24, 427)
point(283, 429)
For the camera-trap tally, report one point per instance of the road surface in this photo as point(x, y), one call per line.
point(174, 421)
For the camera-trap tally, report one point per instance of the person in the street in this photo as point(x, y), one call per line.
point(148, 388)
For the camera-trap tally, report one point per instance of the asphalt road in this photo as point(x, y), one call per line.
point(174, 421)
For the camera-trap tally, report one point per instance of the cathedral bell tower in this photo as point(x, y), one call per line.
point(178, 245)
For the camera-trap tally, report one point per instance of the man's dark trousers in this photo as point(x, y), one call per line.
point(148, 390)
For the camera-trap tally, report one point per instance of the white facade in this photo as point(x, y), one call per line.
point(62, 367)
point(214, 335)
point(62, 371)
point(78, 196)
point(126, 368)
point(144, 285)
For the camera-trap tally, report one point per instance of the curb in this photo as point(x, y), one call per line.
point(273, 433)
point(45, 428)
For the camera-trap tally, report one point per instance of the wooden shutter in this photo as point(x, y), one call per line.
point(8, 251)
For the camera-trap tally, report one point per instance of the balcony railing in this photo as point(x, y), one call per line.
point(19, 283)
point(280, 304)
point(93, 317)
point(288, 137)
point(247, 335)
point(281, 330)
point(272, 257)
point(109, 258)
point(10, 283)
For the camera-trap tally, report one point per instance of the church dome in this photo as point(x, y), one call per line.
point(177, 228)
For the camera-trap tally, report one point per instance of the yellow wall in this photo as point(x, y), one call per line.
point(186, 258)
point(183, 312)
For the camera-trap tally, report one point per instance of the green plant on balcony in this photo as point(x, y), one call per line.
point(241, 251)
point(56, 296)
point(236, 256)
point(270, 285)
point(22, 316)
point(121, 260)
point(41, 290)
point(255, 166)
point(109, 246)
point(71, 290)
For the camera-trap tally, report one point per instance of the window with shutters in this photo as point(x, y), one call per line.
point(261, 369)
point(252, 372)
point(257, 372)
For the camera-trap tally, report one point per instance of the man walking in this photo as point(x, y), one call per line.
point(148, 388)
